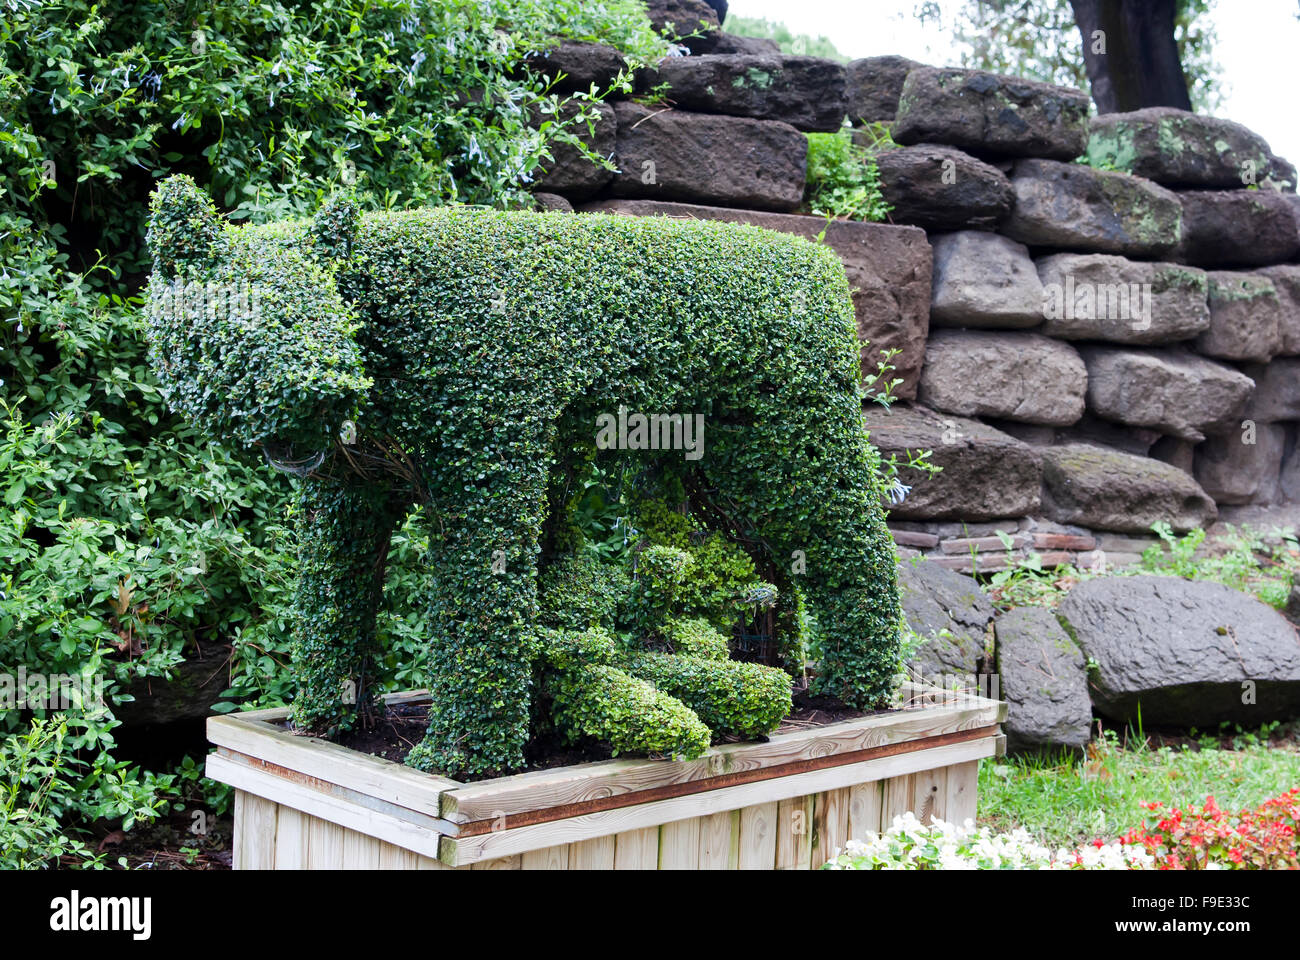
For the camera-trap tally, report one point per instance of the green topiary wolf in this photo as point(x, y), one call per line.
point(460, 358)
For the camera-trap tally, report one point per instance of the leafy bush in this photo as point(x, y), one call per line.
point(842, 179)
point(730, 697)
point(129, 538)
point(696, 638)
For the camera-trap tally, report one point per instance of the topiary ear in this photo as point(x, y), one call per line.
point(184, 227)
point(335, 225)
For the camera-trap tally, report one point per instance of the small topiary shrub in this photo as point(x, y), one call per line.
point(458, 359)
point(696, 638)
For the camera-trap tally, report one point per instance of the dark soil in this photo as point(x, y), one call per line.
point(403, 726)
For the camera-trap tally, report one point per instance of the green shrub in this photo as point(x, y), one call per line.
point(842, 179)
point(744, 699)
point(544, 321)
point(130, 538)
point(696, 638)
point(578, 592)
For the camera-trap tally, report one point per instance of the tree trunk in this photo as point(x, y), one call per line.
point(1139, 66)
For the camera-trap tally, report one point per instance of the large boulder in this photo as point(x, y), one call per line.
point(1246, 317)
point(942, 188)
point(1014, 376)
point(1289, 483)
point(1237, 228)
point(675, 155)
point(874, 86)
point(1286, 280)
point(1277, 390)
point(1068, 205)
point(1108, 490)
point(888, 270)
point(984, 280)
point(991, 113)
point(679, 18)
point(1104, 297)
point(1242, 466)
point(987, 475)
point(1169, 390)
point(571, 174)
point(950, 610)
point(805, 92)
point(574, 66)
point(1185, 653)
point(735, 43)
point(1179, 149)
point(1044, 682)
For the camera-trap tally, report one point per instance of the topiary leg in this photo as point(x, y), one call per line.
point(344, 532)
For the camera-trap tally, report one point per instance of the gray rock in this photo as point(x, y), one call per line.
point(552, 202)
point(1286, 280)
point(1245, 318)
point(1183, 652)
point(991, 113)
point(570, 173)
point(1175, 452)
point(1109, 490)
point(1103, 433)
point(983, 280)
point(735, 43)
point(987, 475)
point(1232, 470)
point(1292, 610)
point(730, 161)
point(1014, 376)
point(677, 18)
point(1044, 680)
point(1179, 149)
point(942, 188)
point(875, 84)
point(1277, 390)
point(950, 610)
point(1169, 390)
point(888, 270)
point(1237, 228)
point(575, 66)
point(1103, 297)
point(1289, 483)
point(805, 92)
point(1076, 207)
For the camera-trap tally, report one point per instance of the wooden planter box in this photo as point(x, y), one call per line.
point(789, 803)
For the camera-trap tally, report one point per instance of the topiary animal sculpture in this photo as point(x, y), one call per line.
point(460, 352)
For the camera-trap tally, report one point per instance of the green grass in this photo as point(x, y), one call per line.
point(1062, 801)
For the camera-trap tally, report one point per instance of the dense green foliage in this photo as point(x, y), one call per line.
point(128, 538)
point(843, 180)
point(495, 342)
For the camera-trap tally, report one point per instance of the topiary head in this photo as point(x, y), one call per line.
point(248, 334)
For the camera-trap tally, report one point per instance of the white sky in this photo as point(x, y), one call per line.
point(1258, 44)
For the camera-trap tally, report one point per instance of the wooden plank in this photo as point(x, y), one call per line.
point(679, 844)
point(290, 838)
point(405, 828)
point(594, 854)
point(360, 852)
point(428, 863)
point(254, 845)
point(715, 840)
point(395, 858)
point(548, 858)
point(929, 794)
point(637, 849)
point(457, 851)
point(961, 791)
point(866, 806)
point(324, 844)
point(502, 863)
point(757, 842)
point(322, 760)
point(830, 824)
point(526, 793)
point(898, 799)
point(794, 829)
